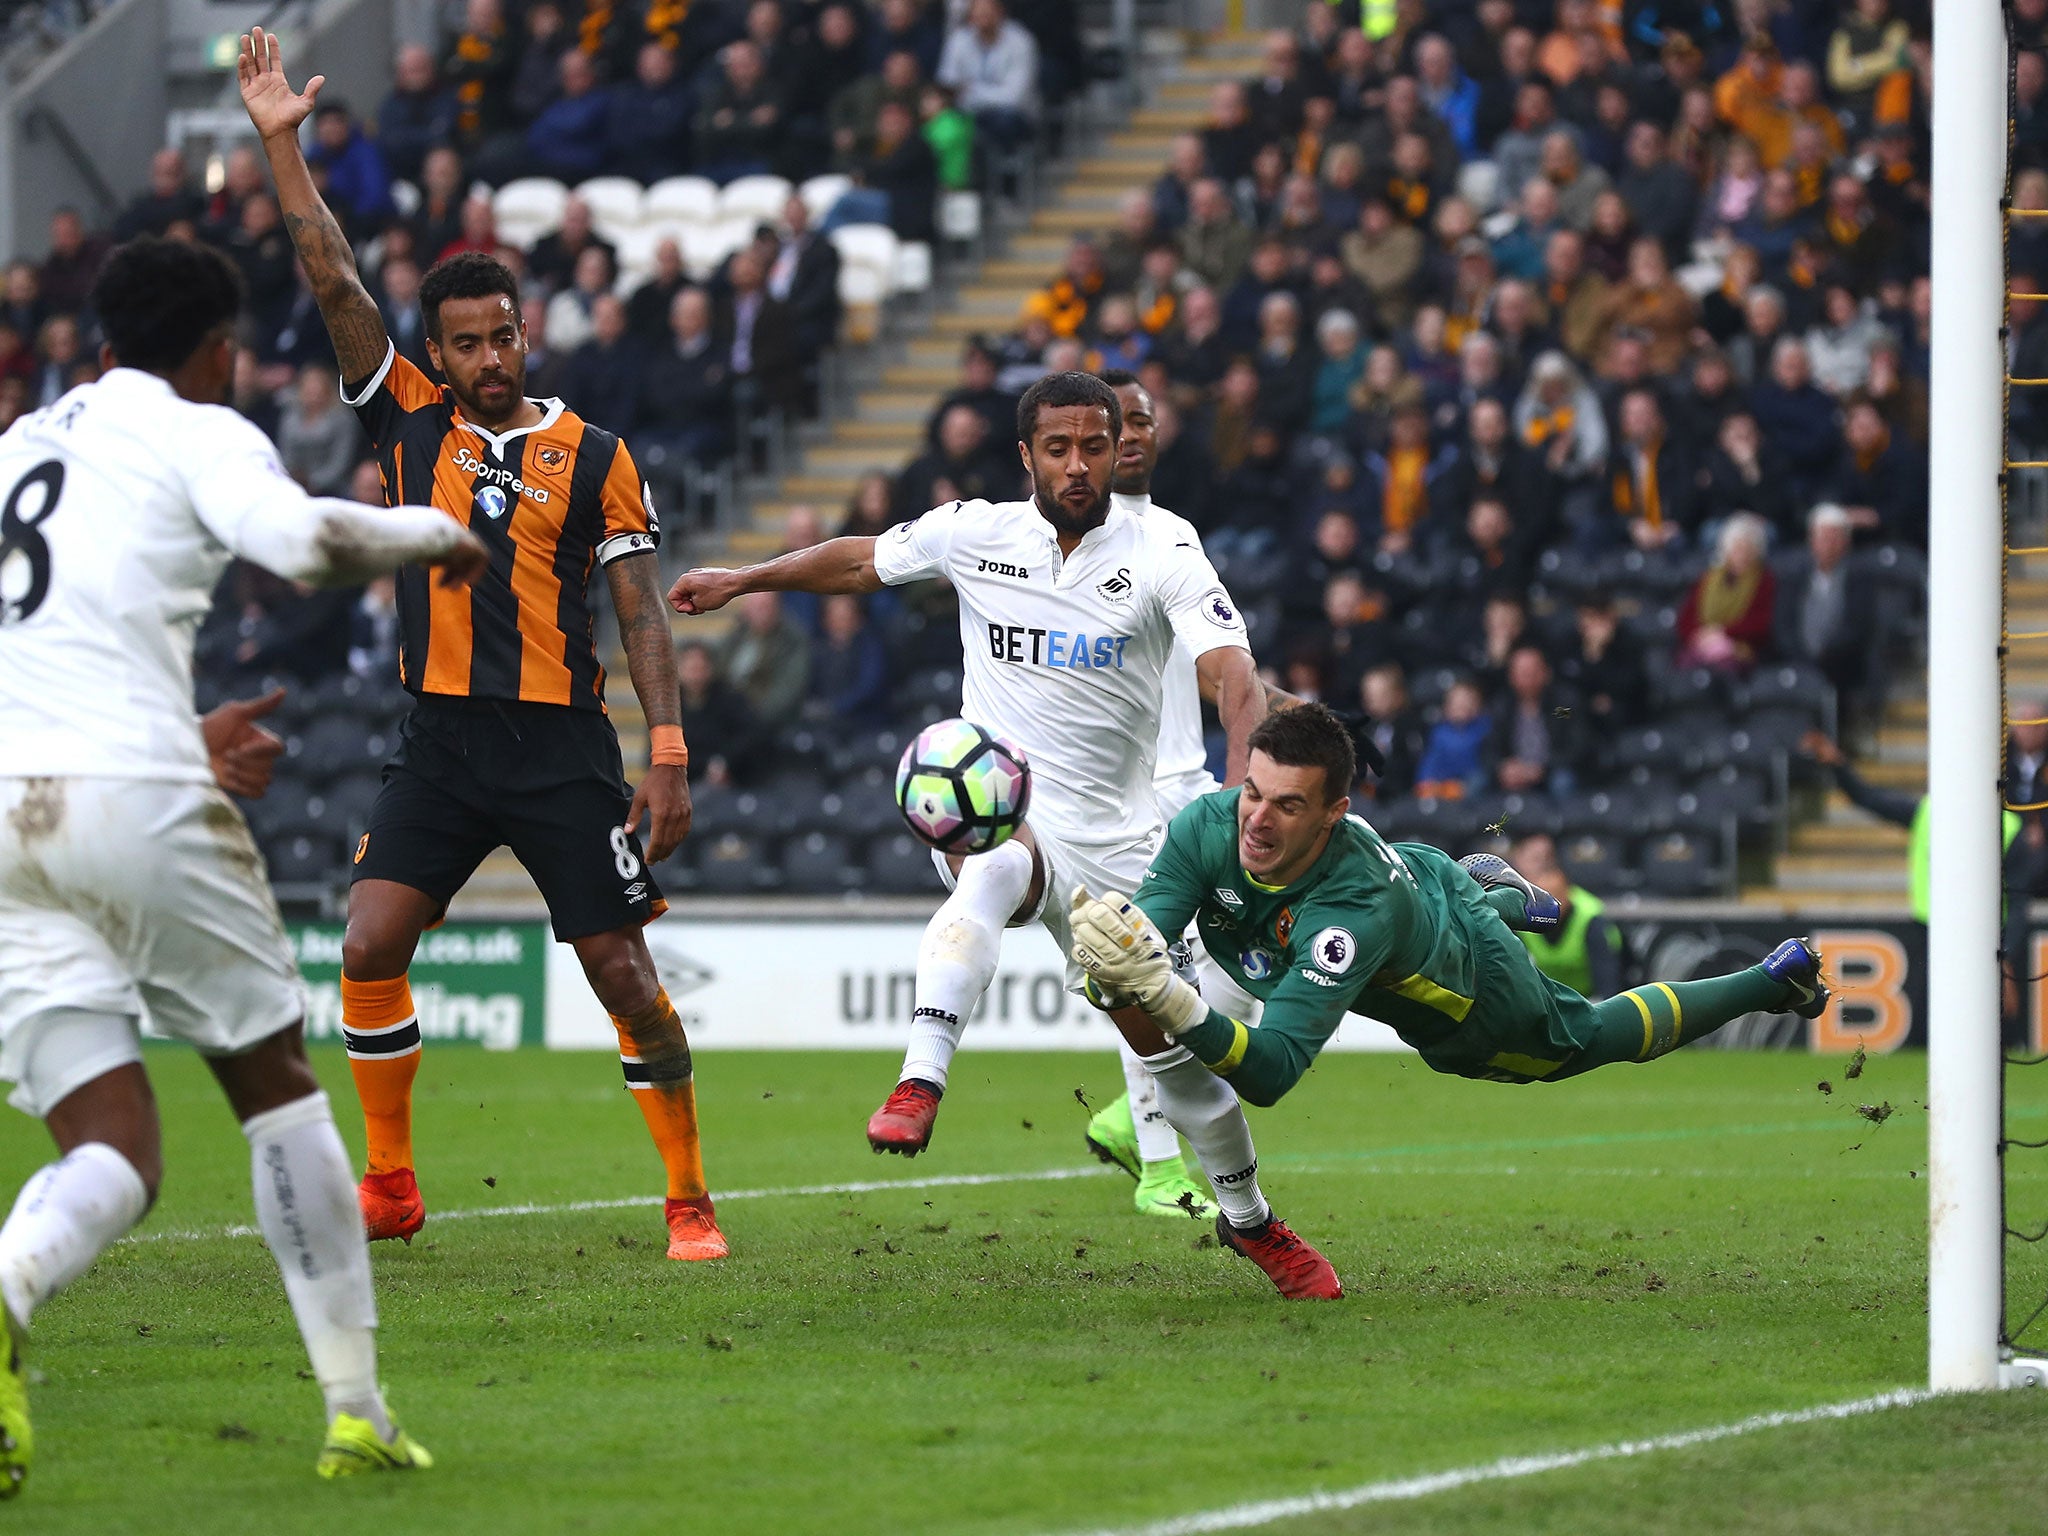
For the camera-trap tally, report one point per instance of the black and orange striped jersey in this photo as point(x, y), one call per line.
point(552, 502)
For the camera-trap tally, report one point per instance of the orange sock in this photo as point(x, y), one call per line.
point(383, 1035)
point(656, 1059)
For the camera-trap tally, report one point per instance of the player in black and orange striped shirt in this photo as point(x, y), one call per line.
point(508, 743)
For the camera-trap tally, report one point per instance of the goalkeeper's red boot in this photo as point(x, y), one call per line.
point(1296, 1270)
point(904, 1122)
point(693, 1230)
point(391, 1204)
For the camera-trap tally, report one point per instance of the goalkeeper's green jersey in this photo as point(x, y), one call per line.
point(1396, 932)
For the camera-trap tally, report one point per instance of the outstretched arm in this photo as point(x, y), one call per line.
point(835, 566)
point(1229, 680)
point(664, 794)
point(353, 323)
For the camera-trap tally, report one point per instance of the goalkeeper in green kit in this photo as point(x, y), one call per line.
point(1316, 915)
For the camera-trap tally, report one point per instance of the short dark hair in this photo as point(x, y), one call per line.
point(465, 275)
point(1120, 378)
point(1062, 389)
point(159, 300)
point(1310, 736)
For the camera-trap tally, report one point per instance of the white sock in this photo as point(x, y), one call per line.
point(306, 1207)
point(1203, 1108)
point(64, 1217)
point(957, 958)
point(1157, 1140)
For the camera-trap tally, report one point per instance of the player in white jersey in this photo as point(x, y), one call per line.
point(1132, 1132)
point(1068, 612)
point(130, 889)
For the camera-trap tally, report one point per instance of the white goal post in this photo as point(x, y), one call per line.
point(1965, 1280)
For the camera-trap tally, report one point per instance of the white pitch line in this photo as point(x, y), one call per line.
point(1239, 1517)
point(782, 1192)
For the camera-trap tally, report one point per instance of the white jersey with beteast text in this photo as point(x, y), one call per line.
point(120, 505)
point(1067, 655)
point(1181, 776)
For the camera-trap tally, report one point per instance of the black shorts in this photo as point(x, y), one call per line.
point(473, 775)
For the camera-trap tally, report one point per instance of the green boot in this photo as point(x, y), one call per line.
point(1113, 1137)
point(1165, 1189)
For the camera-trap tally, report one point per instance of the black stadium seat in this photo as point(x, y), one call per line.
point(303, 858)
point(1680, 864)
point(737, 865)
point(282, 810)
point(821, 863)
point(899, 865)
point(1597, 859)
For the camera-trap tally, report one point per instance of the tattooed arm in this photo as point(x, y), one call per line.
point(664, 794)
point(357, 329)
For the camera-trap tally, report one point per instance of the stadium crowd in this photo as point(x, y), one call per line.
point(1547, 380)
point(1548, 377)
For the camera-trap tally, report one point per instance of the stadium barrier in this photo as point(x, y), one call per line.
point(811, 983)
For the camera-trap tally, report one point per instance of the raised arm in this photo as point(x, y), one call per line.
point(353, 323)
point(835, 566)
point(664, 792)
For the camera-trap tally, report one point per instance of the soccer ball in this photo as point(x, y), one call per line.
point(963, 789)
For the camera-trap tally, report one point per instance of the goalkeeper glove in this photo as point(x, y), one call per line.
point(1126, 955)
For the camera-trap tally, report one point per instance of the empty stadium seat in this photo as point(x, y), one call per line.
point(868, 805)
point(350, 799)
point(870, 247)
point(821, 863)
point(821, 192)
point(756, 198)
point(676, 200)
point(1792, 682)
point(528, 208)
point(704, 246)
point(303, 858)
point(616, 203)
point(899, 865)
point(1650, 747)
point(1597, 860)
point(959, 215)
point(284, 810)
point(1741, 793)
point(765, 813)
point(913, 269)
point(862, 285)
point(336, 745)
point(1680, 864)
point(737, 865)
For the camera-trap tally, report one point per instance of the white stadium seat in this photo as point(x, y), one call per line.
point(706, 245)
point(636, 257)
point(615, 203)
point(681, 200)
point(1479, 184)
point(867, 245)
point(960, 216)
point(913, 272)
point(759, 198)
point(528, 208)
point(862, 285)
point(821, 192)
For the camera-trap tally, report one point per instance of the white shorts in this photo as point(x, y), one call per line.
point(137, 900)
point(1099, 866)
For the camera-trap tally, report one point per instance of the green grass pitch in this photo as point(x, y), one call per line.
point(1531, 1270)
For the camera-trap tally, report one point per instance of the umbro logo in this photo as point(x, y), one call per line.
point(1229, 898)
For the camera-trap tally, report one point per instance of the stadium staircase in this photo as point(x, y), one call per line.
point(915, 359)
